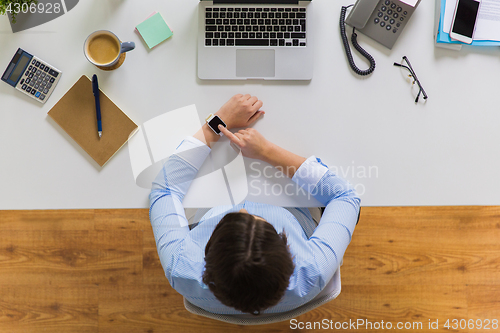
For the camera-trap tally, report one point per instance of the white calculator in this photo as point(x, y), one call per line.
point(31, 75)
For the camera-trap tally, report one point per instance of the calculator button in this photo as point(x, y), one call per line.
point(399, 9)
point(393, 5)
point(27, 73)
point(387, 2)
point(33, 91)
point(42, 66)
point(22, 81)
point(28, 89)
point(31, 75)
point(389, 12)
point(405, 12)
point(380, 14)
point(38, 72)
point(49, 85)
point(24, 86)
point(392, 21)
point(382, 24)
point(42, 97)
point(37, 94)
point(377, 20)
point(46, 69)
point(37, 64)
point(383, 8)
point(53, 73)
point(42, 75)
point(37, 86)
point(394, 30)
point(30, 68)
point(46, 91)
point(33, 70)
point(388, 27)
point(52, 80)
point(27, 81)
point(32, 83)
point(395, 15)
point(386, 18)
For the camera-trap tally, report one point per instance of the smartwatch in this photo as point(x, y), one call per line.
point(213, 121)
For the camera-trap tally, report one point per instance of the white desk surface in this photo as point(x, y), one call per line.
point(444, 152)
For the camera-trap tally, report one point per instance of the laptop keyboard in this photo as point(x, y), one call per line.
point(255, 26)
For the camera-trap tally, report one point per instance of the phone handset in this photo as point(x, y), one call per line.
point(357, 19)
point(361, 12)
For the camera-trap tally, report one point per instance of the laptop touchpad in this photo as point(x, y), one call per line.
point(254, 63)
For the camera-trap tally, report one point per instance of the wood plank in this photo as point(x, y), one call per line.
point(129, 219)
point(70, 257)
point(81, 219)
point(43, 308)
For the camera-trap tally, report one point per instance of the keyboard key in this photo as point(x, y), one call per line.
point(295, 42)
point(281, 42)
point(302, 44)
point(209, 35)
point(298, 35)
point(215, 42)
point(230, 42)
point(210, 21)
point(300, 15)
point(208, 42)
point(252, 42)
point(222, 42)
point(274, 42)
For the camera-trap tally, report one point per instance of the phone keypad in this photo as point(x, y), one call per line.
point(390, 16)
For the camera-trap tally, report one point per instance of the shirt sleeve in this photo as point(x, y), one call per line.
point(166, 212)
point(333, 234)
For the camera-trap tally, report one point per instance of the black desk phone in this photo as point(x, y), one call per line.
point(381, 20)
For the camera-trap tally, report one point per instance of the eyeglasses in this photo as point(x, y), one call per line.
point(413, 76)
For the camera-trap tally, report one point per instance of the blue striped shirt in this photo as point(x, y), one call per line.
point(317, 251)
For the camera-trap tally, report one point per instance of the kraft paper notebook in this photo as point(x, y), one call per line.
point(76, 114)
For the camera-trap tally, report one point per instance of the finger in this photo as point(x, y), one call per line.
point(258, 105)
point(233, 138)
point(252, 100)
point(246, 97)
point(255, 116)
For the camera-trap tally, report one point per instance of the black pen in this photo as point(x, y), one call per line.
point(95, 89)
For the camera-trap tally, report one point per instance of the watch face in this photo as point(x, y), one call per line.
point(214, 123)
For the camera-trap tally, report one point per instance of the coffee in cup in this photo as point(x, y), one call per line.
point(103, 48)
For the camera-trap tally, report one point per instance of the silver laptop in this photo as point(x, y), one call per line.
point(254, 39)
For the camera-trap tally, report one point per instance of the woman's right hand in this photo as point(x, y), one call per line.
point(250, 141)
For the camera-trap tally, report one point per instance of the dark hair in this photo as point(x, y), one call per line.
point(247, 264)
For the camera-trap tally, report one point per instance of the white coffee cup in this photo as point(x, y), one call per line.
point(103, 48)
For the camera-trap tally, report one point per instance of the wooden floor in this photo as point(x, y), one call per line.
point(98, 271)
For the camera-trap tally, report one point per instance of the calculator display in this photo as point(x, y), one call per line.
point(19, 68)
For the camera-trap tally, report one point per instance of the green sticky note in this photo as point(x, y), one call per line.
point(154, 30)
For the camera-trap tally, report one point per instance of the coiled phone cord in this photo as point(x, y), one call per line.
point(356, 46)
